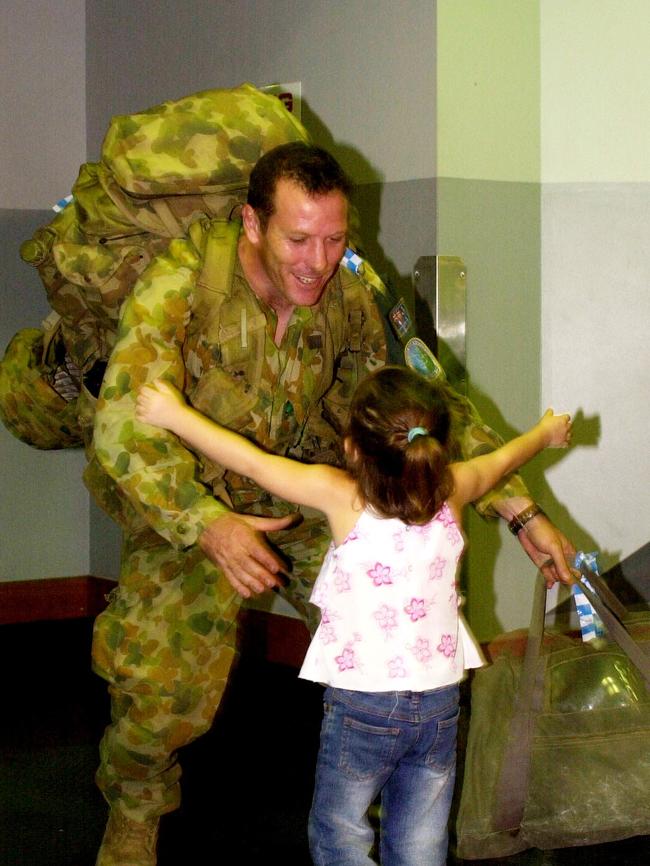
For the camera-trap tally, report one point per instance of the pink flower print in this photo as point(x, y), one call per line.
point(415, 609)
point(422, 650)
point(327, 633)
point(447, 646)
point(341, 580)
point(386, 618)
point(444, 515)
point(437, 567)
point(396, 667)
point(398, 540)
point(346, 661)
point(380, 574)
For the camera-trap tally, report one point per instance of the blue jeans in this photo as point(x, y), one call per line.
point(402, 744)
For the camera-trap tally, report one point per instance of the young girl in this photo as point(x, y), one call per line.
point(391, 647)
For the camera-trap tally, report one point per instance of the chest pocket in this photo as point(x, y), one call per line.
point(226, 398)
point(242, 343)
point(232, 357)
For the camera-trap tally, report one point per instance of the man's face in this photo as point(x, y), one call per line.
point(302, 244)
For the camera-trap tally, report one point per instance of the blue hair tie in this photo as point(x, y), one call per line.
point(416, 431)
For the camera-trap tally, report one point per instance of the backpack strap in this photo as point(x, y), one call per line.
point(393, 311)
point(167, 218)
point(217, 241)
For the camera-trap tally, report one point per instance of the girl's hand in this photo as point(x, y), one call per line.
point(159, 404)
point(557, 429)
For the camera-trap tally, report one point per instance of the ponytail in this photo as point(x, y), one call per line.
point(400, 427)
point(426, 479)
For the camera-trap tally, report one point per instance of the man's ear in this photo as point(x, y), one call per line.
point(251, 224)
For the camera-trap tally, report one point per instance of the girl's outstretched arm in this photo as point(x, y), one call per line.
point(162, 405)
point(475, 477)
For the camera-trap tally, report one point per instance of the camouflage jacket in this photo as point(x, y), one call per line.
point(292, 399)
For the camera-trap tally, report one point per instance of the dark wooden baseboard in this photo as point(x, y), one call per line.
point(52, 598)
point(278, 639)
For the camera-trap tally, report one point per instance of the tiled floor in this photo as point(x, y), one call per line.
point(246, 785)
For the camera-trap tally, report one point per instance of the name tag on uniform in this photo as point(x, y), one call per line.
point(315, 341)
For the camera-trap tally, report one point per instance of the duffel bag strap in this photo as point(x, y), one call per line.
point(605, 594)
point(512, 784)
point(615, 628)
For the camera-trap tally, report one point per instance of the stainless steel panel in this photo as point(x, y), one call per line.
point(440, 281)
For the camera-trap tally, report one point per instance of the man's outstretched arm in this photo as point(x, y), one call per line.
point(157, 473)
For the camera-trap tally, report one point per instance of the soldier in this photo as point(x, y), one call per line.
point(265, 333)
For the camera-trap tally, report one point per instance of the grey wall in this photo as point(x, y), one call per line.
point(43, 505)
point(44, 523)
point(43, 117)
point(368, 88)
point(367, 67)
point(595, 316)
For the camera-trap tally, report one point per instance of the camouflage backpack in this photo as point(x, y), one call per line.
point(160, 171)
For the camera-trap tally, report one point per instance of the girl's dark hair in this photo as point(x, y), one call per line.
point(310, 166)
point(395, 477)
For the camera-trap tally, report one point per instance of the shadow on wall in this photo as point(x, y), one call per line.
point(366, 198)
point(485, 535)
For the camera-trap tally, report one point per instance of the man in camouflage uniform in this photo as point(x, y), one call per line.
point(275, 353)
point(274, 350)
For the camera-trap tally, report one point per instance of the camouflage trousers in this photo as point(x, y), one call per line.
point(165, 644)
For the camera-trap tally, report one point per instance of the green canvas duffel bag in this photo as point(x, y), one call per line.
point(558, 750)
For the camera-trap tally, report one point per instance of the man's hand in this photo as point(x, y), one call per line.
point(237, 544)
point(545, 545)
point(549, 549)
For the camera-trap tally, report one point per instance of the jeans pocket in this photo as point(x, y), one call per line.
point(366, 750)
point(442, 753)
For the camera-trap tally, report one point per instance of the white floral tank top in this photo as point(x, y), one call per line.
point(390, 608)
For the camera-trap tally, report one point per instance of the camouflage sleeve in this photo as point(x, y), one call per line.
point(151, 467)
point(475, 438)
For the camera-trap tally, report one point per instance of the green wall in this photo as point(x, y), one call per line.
point(488, 213)
point(488, 89)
